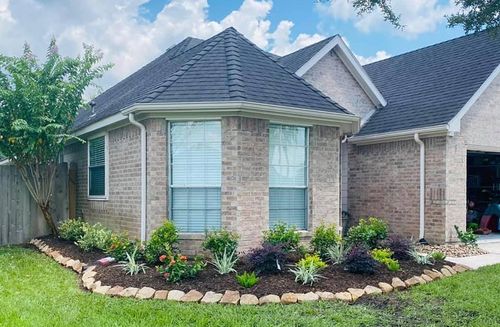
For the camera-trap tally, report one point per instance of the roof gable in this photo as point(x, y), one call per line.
point(430, 86)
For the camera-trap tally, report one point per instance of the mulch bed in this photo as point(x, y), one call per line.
point(336, 278)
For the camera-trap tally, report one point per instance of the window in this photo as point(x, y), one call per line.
point(288, 175)
point(97, 161)
point(195, 175)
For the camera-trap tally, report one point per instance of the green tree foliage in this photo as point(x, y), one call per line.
point(38, 105)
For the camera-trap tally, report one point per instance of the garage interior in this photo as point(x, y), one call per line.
point(483, 193)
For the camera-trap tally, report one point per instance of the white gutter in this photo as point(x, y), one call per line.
point(132, 120)
point(439, 130)
point(422, 188)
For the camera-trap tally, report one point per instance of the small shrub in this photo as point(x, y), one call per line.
point(177, 267)
point(94, 237)
point(162, 241)
point(120, 245)
point(381, 254)
point(267, 259)
point(467, 237)
point(368, 232)
point(337, 253)
point(438, 256)
point(324, 237)
point(399, 246)
point(392, 264)
point(219, 241)
point(287, 237)
point(72, 229)
point(359, 261)
point(225, 262)
point(307, 269)
point(247, 280)
point(421, 259)
point(130, 265)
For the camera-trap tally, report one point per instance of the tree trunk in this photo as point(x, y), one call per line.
point(48, 218)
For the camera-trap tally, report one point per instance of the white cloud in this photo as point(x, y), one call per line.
point(379, 55)
point(125, 38)
point(418, 16)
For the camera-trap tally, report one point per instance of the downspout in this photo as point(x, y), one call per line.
point(422, 189)
point(132, 120)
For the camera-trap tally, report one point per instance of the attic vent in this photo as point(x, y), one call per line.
point(92, 108)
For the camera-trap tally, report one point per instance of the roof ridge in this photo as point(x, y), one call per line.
point(293, 74)
point(308, 46)
point(428, 46)
point(171, 79)
point(235, 81)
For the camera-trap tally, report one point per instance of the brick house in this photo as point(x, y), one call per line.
point(220, 134)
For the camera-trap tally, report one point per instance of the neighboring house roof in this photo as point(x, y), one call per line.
point(226, 67)
point(430, 86)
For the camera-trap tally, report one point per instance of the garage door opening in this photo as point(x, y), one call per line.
point(483, 193)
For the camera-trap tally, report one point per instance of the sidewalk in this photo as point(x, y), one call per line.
point(474, 262)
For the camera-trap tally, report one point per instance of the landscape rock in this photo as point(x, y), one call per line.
point(268, 299)
point(114, 291)
point(88, 274)
point(54, 254)
point(450, 269)
point(385, 287)
point(307, 297)
point(446, 272)
point(343, 296)
point(87, 283)
point(412, 282)
point(459, 268)
point(356, 293)
point(102, 289)
point(175, 295)
point(230, 297)
point(372, 290)
point(129, 292)
point(326, 296)
point(78, 267)
point(421, 281)
point(70, 263)
point(145, 293)
point(432, 274)
point(440, 274)
point(289, 298)
point(95, 285)
point(160, 295)
point(192, 296)
point(249, 299)
point(398, 284)
point(64, 260)
point(427, 278)
point(212, 297)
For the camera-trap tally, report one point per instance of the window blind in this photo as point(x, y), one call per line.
point(97, 166)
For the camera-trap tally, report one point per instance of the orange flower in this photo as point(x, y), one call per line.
point(172, 262)
point(163, 258)
point(184, 258)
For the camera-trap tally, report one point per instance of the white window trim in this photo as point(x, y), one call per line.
point(306, 187)
point(104, 197)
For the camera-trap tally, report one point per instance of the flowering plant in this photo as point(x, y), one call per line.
point(177, 267)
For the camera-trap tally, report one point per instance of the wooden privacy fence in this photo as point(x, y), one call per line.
point(20, 217)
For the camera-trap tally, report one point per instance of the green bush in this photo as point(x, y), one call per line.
point(286, 237)
point(306, 270)
point(162, 241)
point(392, 264)
point(218, 242)
point(247, 280)
point(177, 267)
point(72, 229)
point(467, 237)
point(324, 238)
point(94, 237)
point(438, 256)
point(385, 256)
point(368, 232)
point(120, 245)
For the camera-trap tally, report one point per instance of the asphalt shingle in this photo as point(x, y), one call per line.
point(428, 87)
point(297, 59)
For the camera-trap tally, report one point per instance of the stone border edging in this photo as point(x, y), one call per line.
point(233, 297)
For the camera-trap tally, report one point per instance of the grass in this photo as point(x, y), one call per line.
point(36, 291)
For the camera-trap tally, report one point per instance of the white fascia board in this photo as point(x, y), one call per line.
point(455, 122)
point(409, 134)
point(352, 64)
point(116, 118)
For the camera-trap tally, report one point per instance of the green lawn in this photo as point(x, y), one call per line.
point(36, 291)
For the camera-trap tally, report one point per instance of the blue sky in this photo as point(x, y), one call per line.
point(308, 19)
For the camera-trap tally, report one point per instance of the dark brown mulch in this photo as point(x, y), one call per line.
point(336, 278)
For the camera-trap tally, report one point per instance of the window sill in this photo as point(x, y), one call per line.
point(192, 236)
point(97, 198)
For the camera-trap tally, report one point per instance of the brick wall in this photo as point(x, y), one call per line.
point(324, 170)
point(245, 178)
point(331, 76)
point(384, 182)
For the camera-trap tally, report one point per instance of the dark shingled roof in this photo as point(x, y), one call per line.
point(226, 67)
point(429, 86)
point(297, 59)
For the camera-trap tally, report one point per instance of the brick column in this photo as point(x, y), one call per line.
point(324, 181)
point(245, 185)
